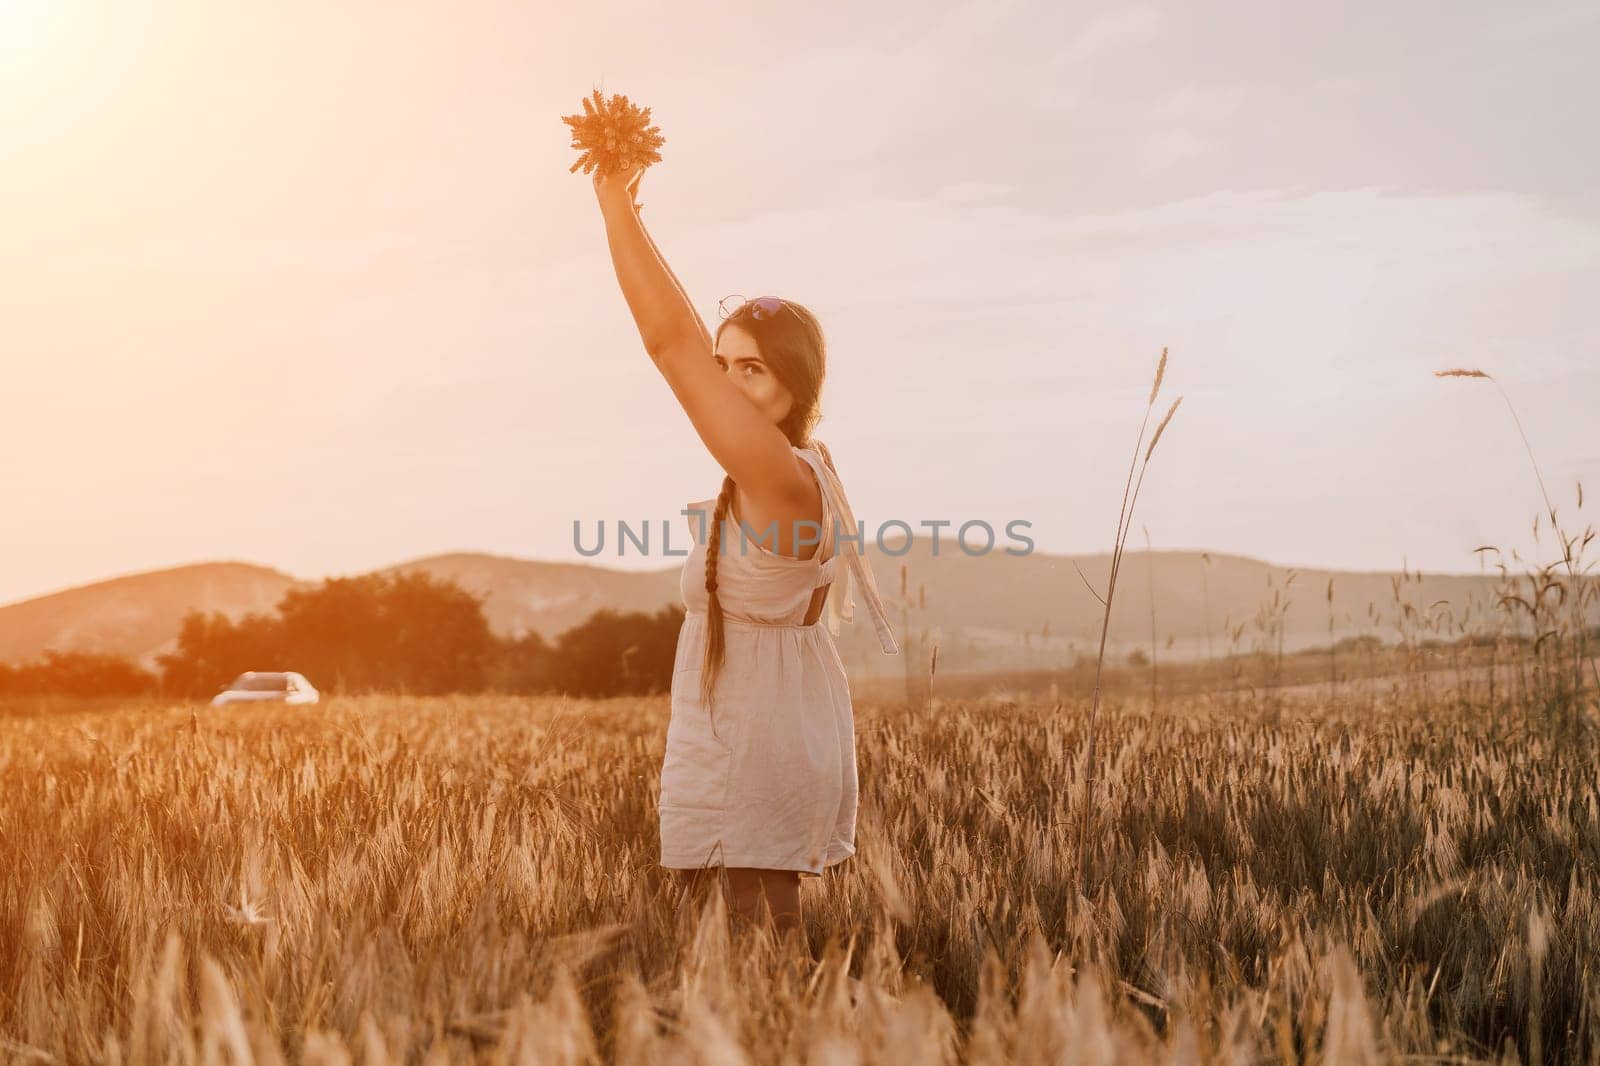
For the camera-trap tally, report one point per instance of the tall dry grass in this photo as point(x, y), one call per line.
point(1575, 591)
point(1130, 498)
point(473, 879)
point(1339, 872)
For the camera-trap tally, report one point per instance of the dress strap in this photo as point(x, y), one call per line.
point(827, 571)
point(848, 537)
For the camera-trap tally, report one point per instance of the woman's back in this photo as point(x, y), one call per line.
point(754, 583)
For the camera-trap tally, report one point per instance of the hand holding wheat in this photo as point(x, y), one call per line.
point(617, 143)
point(614, 189)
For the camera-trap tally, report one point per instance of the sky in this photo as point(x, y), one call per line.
point(311, 285)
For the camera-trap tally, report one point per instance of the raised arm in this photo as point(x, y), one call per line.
point(751, 449)
point(682, 292)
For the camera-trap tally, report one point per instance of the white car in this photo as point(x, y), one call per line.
point(255, 686)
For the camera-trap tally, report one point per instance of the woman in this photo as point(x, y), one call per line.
point(759, 776)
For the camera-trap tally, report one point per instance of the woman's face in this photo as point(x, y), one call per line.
point(738, 357)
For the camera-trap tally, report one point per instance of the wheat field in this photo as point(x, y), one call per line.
point(473, 879)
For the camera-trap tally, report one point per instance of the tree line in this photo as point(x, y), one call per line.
point(404, 633)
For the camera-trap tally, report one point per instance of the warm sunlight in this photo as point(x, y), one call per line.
point(765, 533)
point(30, 33)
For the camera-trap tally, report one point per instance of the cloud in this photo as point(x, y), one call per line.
point(1110, 31)
point(1532, 27)
point(1154, 152)
point(1197, 104)
point(1174, 124)
point(973, 191)
point(1496, 42)
point(1323, 288)
point(1338, 83)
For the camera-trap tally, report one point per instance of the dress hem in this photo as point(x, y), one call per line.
point(835, 854)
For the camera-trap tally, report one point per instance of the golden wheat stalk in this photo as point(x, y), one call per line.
point(1566, 544)
point(1124, 522)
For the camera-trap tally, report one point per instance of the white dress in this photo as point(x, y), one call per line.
point(769, 779)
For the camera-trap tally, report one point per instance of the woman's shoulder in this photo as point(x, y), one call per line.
point(815, 450)
point(817, 459)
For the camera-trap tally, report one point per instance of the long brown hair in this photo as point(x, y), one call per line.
point(794, 350)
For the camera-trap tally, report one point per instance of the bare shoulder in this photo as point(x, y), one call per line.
point(781, 512)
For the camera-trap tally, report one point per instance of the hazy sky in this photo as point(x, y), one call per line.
point(310, 285)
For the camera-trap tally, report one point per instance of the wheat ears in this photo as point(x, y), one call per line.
point(1566, 542)
point(1124, 523)
point(613, 136)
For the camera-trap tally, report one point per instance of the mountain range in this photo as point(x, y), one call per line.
point(991, 611)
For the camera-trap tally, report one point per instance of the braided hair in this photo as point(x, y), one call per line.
point(795, 351)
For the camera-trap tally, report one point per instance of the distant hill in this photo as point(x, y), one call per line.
point(526, 595)
point(990, 612)
point(137, 615)
point(987, 612)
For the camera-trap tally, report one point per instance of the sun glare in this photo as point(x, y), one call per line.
point(29, 30)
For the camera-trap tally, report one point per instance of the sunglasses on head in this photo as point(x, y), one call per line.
point(762, 307)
